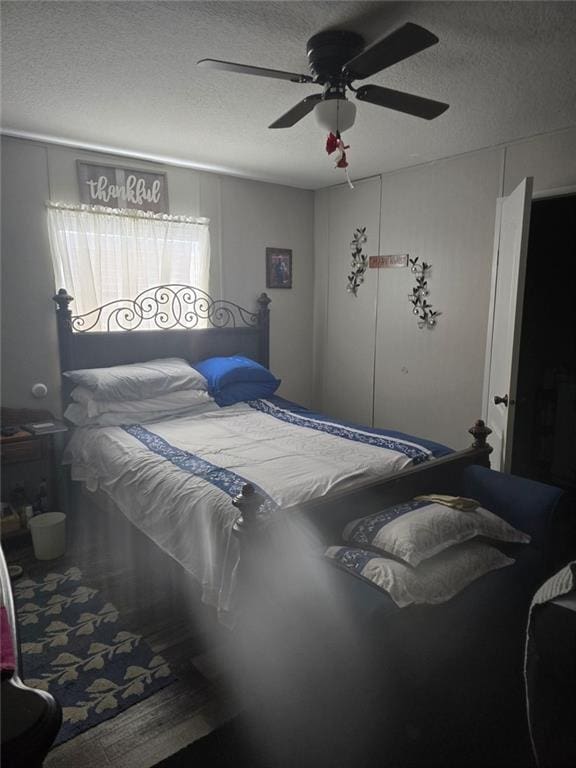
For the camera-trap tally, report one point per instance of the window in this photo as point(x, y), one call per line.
point(102, 254)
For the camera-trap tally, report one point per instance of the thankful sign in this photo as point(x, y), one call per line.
point(122, 188)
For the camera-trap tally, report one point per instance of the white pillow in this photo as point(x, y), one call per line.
point(184, 398)
point(435, 581)
point(417, 530)
point(105, 413)
point(138, 380)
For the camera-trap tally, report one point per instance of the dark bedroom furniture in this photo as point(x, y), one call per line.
point(31, 718)
point(29, 461)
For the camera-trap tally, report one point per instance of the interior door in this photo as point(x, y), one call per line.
point(505, 321)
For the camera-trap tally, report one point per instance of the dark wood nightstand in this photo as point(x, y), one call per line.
point(27, 459)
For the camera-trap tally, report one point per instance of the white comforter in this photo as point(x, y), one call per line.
point(190, 517)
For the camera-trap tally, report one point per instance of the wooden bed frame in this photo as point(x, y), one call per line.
point(187, 322)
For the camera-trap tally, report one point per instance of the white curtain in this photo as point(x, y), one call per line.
point(103, 254)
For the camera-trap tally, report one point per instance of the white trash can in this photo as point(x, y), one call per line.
point(48, 535)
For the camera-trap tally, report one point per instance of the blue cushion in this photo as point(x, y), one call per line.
point(526, 504)
point(219, 372)
point(245, 390)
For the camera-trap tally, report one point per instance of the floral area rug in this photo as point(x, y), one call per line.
point(73, 646)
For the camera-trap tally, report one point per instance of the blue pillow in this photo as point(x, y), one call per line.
point(245, 390)
point(219, 372)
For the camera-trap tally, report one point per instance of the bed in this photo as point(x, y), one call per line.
point(226, 524)
point(196, 463)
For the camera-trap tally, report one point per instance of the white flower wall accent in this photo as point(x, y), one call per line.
point(359, 261)
point(419, 296)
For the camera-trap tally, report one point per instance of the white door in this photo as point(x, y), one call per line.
point(505, 321)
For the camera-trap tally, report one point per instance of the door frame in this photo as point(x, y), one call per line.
point(554, 192)
point(542, 194)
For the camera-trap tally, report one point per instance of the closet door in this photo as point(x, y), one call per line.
point(348, 370)
point(429, 382)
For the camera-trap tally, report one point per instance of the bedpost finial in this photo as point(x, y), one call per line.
point(263, 301)
point(248, 502)
point(245, 498)
point(63, 299)
point(480, 433)
point(264, 324)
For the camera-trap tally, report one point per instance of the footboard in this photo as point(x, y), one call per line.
point(329, 514)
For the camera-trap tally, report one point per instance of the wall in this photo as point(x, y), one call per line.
point(345, 358)
point(254, 216)
point(425, 382)
point(245, 217)
point(428, 383)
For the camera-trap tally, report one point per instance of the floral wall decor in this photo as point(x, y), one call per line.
point(359, 261)
point(418, 298)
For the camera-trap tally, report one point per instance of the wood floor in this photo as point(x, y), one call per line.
point(156, 600)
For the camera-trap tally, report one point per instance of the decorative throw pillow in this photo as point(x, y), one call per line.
point(138, 380)
point(416, 530)
point(435, 581)
point(221, 372)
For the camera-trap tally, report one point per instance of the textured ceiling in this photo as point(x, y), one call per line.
point(123, 76)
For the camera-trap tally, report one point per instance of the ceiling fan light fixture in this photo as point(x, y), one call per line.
point(335, 115)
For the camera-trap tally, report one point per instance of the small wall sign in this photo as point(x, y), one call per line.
point(122, 188)
point(397, 260)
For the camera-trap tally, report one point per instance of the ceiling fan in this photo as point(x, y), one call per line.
point(336, 59)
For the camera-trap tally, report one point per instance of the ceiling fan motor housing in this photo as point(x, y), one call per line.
point(329, 51)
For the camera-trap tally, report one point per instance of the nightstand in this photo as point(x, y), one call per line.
point(27, 459)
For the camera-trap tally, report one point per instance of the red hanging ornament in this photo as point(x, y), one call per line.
point(331, 143)
point(334, 143)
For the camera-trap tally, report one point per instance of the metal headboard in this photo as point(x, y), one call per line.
point(162, 321)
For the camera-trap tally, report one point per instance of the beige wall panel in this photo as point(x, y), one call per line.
point(28, 323)
point(321, 273)
point(349, 342)
point(429, 382)
point(256, 216)
point(550, 159)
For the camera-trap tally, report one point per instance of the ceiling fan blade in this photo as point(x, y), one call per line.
point(401, 102)
point(400, 44)
point(246, 69)
point(298, 112)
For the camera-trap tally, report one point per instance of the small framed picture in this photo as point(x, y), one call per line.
point(278, 268)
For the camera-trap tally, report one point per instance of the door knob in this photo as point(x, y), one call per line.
point(501, 400)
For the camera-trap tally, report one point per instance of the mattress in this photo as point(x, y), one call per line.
point(174, 479)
